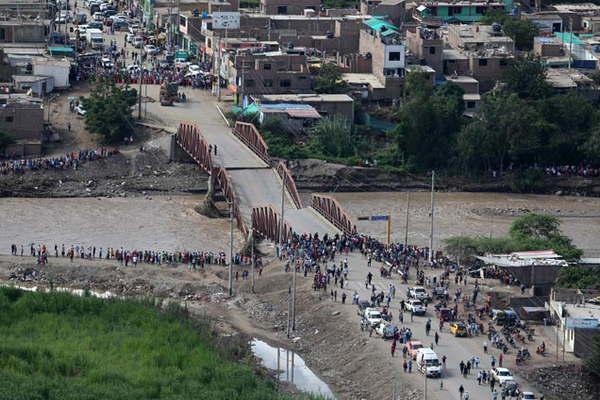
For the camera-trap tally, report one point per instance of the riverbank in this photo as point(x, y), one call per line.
point(128, 173)
point(320, 176)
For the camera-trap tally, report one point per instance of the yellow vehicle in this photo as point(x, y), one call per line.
point(458, 329)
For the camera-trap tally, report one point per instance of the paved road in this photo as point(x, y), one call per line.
point(455, 349)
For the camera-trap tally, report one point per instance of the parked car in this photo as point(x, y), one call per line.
point(440, 292)
point(107, 62)
point(416, 306)
point(386, 330)
point(417, 292)
point(80, 110)
point(138, 42)
point(502, 376)
point(444, 314)
point(151, 49)
point(362, 306)
point(528, 396)
point(98, 17)
point(429, 363)
point(373, 316)
point(458, 329)
point(413, 347)
point(94, 25)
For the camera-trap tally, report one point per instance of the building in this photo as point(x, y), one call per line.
point(564, 80)
point(551, 51)
point(457, 11)
point(591, 23)
point(394, 10)
point(546, 22)
point(340, 105)
point(274, 72)
point(471, 96)
point(295, 117)
point(58, 69)
point(578, 320)
point(20, 30)
point(481, 51)
point(427, 46)
point(288, 7)
point(23, 119)
point(535, 269)
point(382, 44)
point(40, 86)
point(27, 8)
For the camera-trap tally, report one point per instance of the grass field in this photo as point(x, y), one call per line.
point(58, 346)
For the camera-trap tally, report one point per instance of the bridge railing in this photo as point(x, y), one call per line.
point(266, 221)
point(190, 139)
point(222, 180)
point(290, 184)
point(252, 138)
point(331, 209)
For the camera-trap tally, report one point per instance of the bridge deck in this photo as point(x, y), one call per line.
point(254, 182)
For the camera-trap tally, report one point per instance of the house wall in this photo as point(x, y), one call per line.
point(22, 122)
point(288, 7)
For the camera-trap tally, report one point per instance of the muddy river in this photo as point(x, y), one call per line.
point(165, 223)
point(472, 214)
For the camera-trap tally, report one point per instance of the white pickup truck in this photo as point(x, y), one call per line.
point(95, 38)
point(372, 316)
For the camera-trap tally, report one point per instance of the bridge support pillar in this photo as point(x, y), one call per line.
point(176, 153)
point(208, 207)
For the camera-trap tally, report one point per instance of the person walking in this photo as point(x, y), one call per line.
point(436, 338)
point(393, 347)
point(461, 391)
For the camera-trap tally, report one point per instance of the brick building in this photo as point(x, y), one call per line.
point(24, 31)
point(427, 46)
point(288, 7)
point(24, 121)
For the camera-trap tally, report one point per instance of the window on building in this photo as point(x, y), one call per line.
point(268, 83)
point(482, 62)
point(2, 33)
point(457, 10)
point(394, 56)
point(8, 118)
point(480, 10)
point(267, 66)
point(470, 104)
point(432, 50)
point(281, 9)
point(249, 83)
point(285, 83)
point(182, 20)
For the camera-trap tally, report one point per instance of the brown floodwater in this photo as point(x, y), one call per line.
point(160, 223)
point(472, 214)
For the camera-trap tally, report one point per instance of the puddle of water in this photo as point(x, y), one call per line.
point(76, 292)
point(291, 367)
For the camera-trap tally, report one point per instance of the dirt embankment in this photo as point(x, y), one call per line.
point(130, 173)
point(320, 176)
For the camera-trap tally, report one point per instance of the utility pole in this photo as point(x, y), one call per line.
point(230, 249)
point(570, 40)
point(253, 259)
point(281, 224)
point(219, 70)
point(432, 212)
point(140, 88)
point(425, 384)
point(294, 298)
point(389, 230)
point(289, 313)
point(406, 223)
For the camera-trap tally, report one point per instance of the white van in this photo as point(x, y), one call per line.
point(429, 363)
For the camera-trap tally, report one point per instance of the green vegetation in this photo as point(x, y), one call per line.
point(592, 364)
point(579, 278)
point(57, 346)
point(520, 30)
point(5, 140)
point(109, 111)
point(529, 232)
point(329, 80)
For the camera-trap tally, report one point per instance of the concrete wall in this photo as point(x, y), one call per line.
point(26, 33)
point(22, 122)
point(288, 7)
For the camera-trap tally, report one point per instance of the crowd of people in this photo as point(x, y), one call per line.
point(70, 160)
point(194, 259)
point(573, 170)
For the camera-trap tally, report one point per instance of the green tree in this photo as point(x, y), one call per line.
point(428, 121)
point(109, 112)
point(526, 76)
point(506, 130)
point(5, 140)
point(592, 364)
point(333, 137)
point(591, 146)
point(329, 80)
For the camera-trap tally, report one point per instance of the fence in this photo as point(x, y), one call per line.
point(290, 184)
point(252, 138)
point(222, 180)
point(331, 209)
